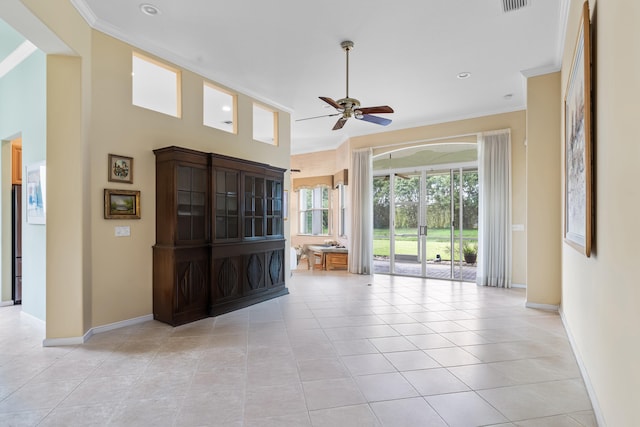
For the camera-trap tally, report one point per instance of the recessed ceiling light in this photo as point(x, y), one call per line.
point(464, 75)
point(149, 9)
point(508, 96)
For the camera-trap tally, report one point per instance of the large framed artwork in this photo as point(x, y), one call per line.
point(578, 144)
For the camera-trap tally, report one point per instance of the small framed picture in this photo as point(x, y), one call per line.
point(120, 169)
point(121, 204)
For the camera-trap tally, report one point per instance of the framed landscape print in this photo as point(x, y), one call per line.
point(578, 140)
point(121, 204)
point(120, 169)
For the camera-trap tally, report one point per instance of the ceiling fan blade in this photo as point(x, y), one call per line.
point(375, 119)
point(317, 117)
point(341, 121)
point(375, 110)
point(331, 102)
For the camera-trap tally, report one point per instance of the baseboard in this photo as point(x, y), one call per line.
point(55, 342)
point(59, 342)
point(519, 285)
point(583, 371)
point(548, 307)
point(6, 303)
point(121, 324)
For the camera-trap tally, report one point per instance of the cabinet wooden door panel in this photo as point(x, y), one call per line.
point(180, 284)
point(226, 279)
point(191, 284)
point(254, 280)
point(275, 276)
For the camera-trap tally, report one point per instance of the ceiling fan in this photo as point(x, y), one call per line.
point(350, 107)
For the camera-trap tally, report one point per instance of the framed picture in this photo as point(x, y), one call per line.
point(577, 144)
point(121, 204)
point(120, 169)
point(36, 193)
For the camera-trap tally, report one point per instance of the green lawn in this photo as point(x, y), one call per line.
point(438, 242)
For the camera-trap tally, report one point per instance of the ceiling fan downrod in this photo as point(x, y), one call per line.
point(347, 45)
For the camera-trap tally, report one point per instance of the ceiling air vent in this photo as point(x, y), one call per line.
point(511, 5)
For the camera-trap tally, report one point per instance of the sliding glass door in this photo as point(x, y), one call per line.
point(425, 222)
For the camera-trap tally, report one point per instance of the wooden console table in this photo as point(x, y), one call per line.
point(331, 257)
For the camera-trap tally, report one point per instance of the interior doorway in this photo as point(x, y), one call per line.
point(426, 220)
point(16, 221)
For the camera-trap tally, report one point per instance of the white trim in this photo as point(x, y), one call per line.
point(548, 307)
point(417, 142)
point(121, 324)
point(519, 285)
point(562, 30)
point(583, 371)
point(428, 168)
point(54, 342)
point(85, 11)
point(540, 71)
point(6, 303)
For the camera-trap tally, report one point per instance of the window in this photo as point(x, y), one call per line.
point(155, 86)
point(265, 127)
point(314, 211)
point(342, 206)
point(218, 108)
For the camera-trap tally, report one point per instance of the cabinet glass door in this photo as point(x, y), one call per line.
point(254, 207)
point(226, 204)
point(192, 196)
point(274, 207)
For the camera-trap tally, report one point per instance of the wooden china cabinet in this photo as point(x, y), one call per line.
point(219, 234)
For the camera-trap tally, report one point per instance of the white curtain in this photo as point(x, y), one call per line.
point(361, 239)
point(494, 222)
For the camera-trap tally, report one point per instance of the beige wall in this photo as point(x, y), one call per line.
point(94, 278)
point(543, 195)
point(118, 127)
point(600, 294)
point(66, 249)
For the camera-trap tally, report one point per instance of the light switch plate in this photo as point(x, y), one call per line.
point(123, 231)
point(517, 227)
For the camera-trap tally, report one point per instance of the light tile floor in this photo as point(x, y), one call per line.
point(340, 350)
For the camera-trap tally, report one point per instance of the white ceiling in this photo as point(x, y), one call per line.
point(407, 54)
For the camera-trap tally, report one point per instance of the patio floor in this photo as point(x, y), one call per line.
point(441, 270)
